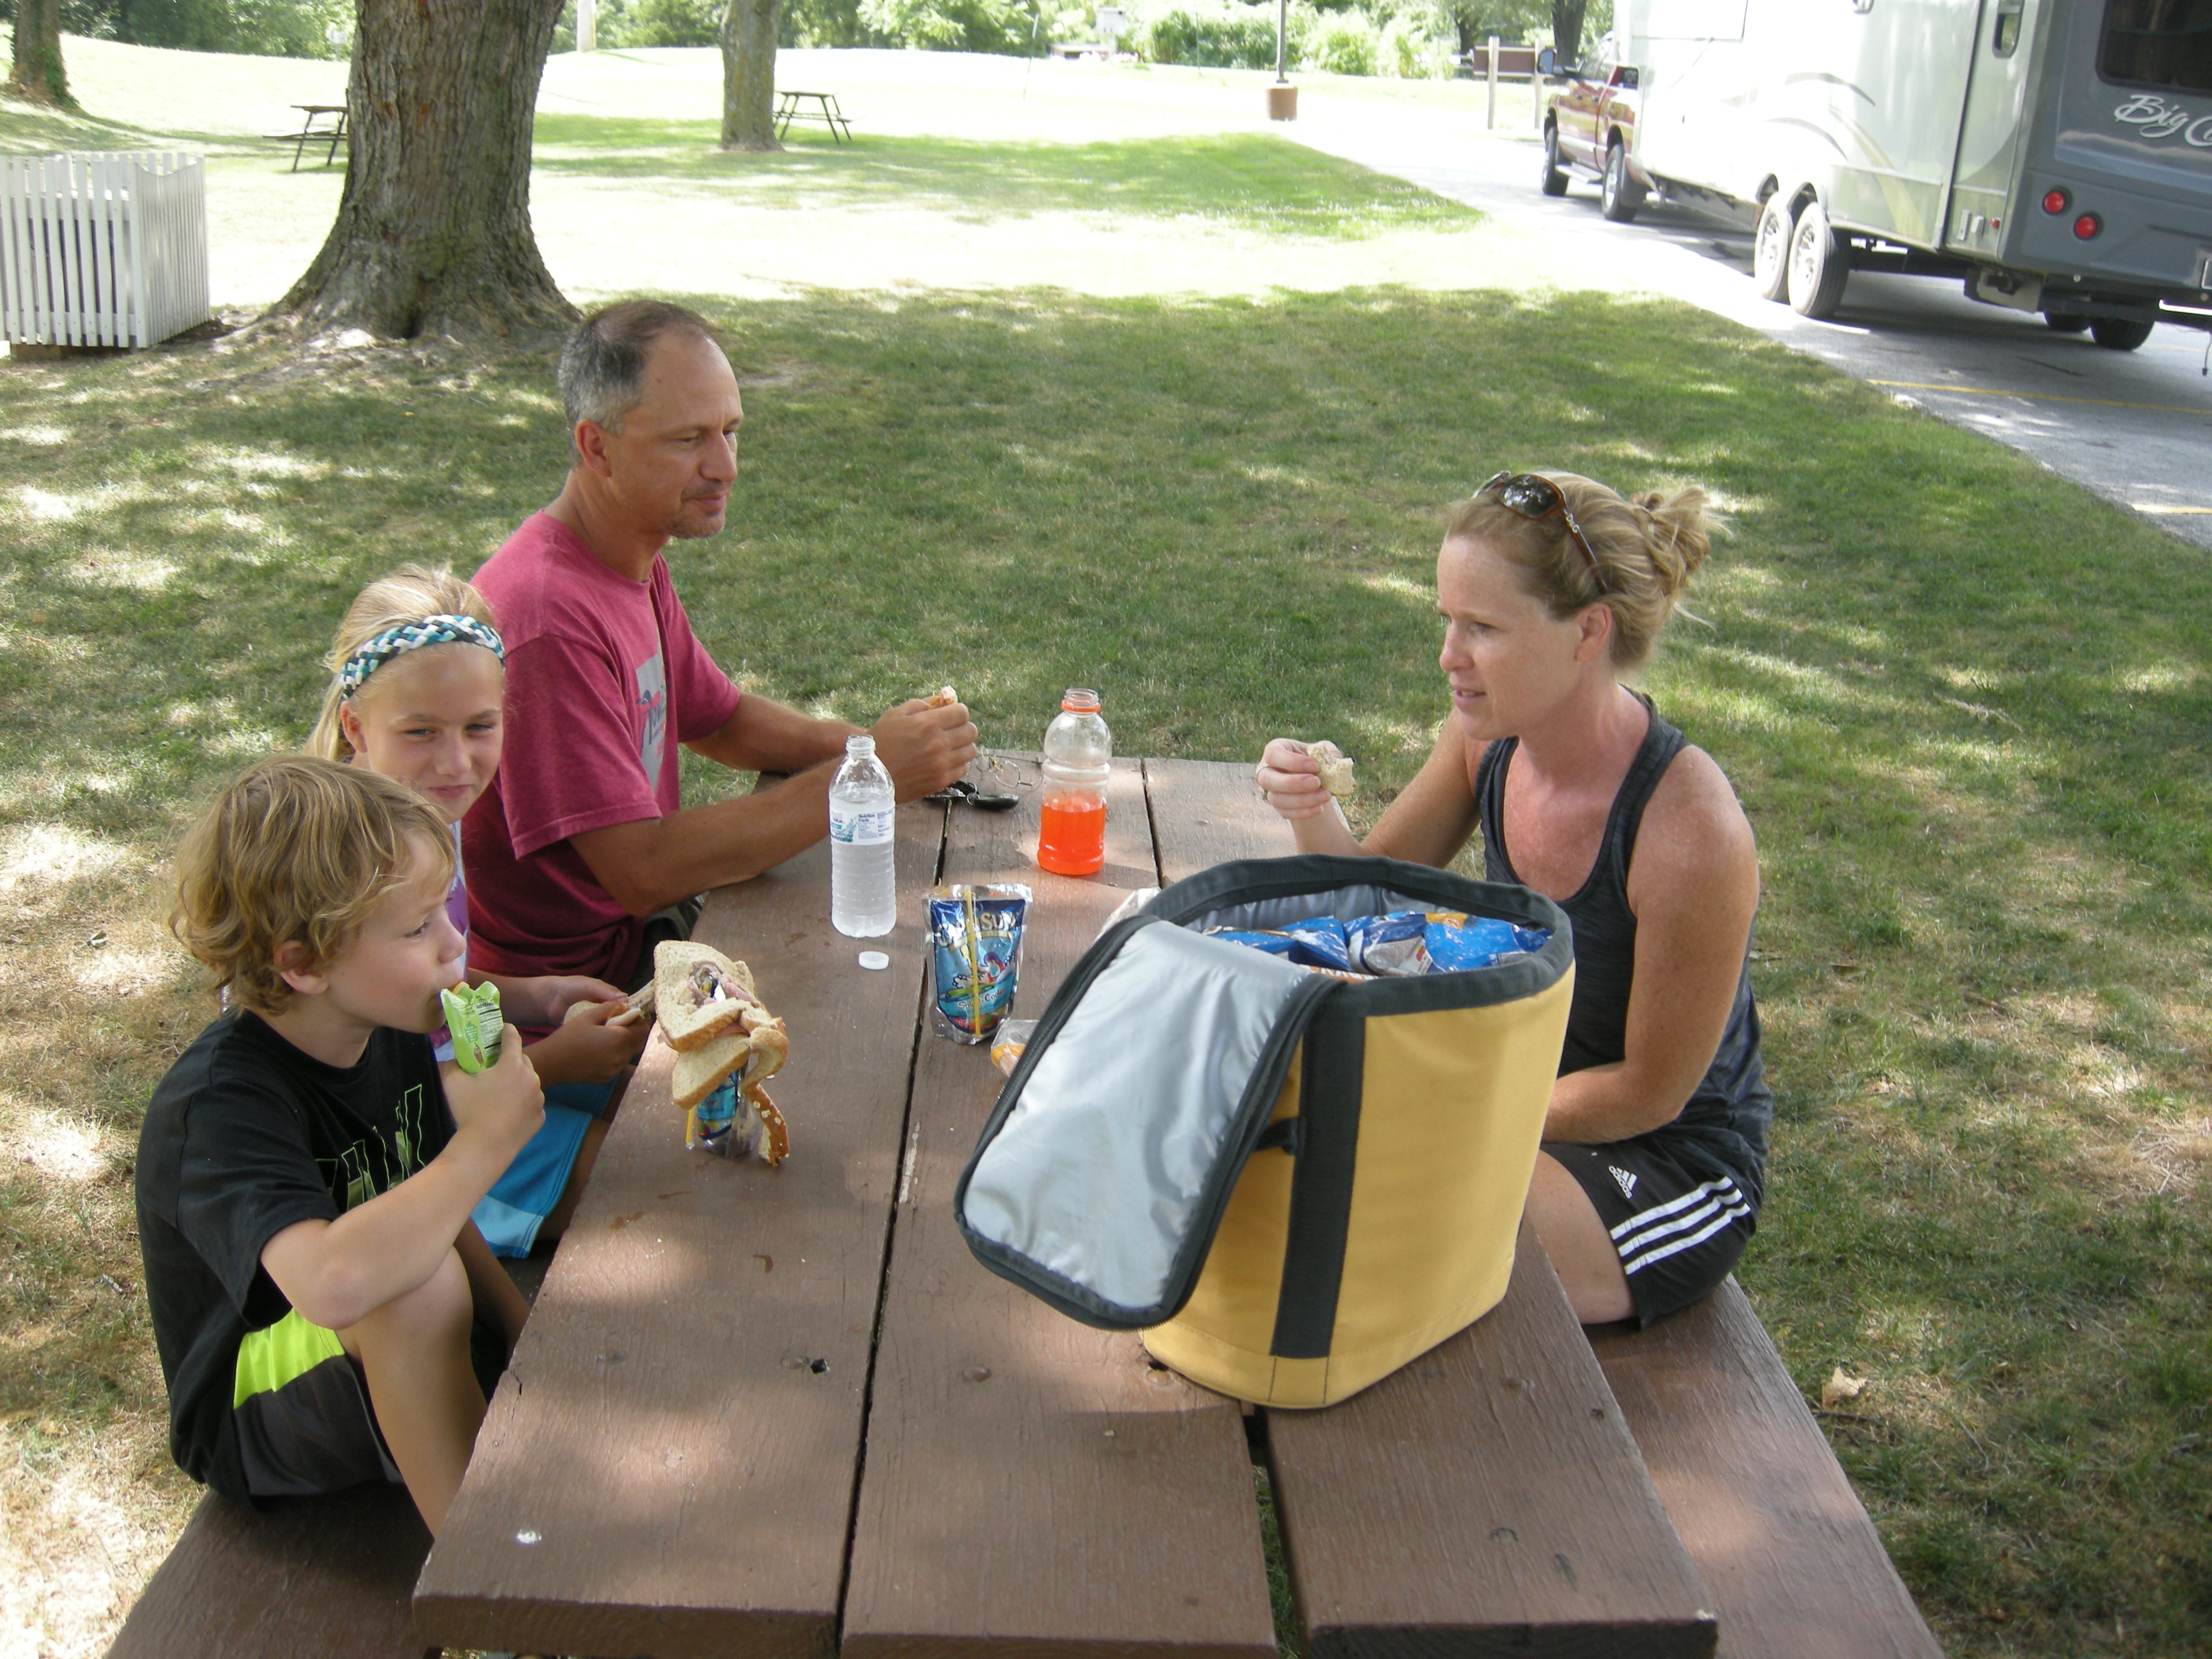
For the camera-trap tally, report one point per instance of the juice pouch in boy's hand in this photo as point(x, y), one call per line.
point(473, 1019)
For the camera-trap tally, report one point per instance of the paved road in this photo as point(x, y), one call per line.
point(2135, 427)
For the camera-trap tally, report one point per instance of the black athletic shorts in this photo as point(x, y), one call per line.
point(1678, 1231)
point(314, 1430)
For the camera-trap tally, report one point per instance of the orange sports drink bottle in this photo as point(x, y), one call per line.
point(1078, 754)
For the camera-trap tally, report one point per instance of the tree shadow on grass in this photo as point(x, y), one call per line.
point(36, 130)
point(1251, 181)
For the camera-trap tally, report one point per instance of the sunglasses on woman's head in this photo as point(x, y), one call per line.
point(1535, 498)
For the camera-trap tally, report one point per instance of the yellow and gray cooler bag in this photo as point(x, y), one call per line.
point(1293, 1183)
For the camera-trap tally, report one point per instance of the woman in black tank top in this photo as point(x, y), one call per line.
point(1552, 586)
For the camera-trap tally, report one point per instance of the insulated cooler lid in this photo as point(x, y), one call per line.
point(1112, 1152)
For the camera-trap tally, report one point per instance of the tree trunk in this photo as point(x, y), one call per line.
point(749, 29)
point(432, 234)
point(38, 75)
point(1567, 28)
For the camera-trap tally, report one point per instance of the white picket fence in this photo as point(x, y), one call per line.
point(102, 249)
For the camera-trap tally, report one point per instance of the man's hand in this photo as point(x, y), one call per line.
point(587, 1050)
point(502, 1104)
point(925, 750)
point(654, 862)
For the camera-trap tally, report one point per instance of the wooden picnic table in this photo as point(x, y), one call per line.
point(783, 1412)
point(312, 113)
point(826, 111)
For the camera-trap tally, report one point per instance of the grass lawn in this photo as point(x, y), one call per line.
point(1965, 702)
point(966, 172)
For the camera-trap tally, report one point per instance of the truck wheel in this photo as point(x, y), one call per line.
point(1619, 196)
point(2117, 334)
point(2065, 324)
point(1770, 249)
point(1553, 179)
point(1818, 266)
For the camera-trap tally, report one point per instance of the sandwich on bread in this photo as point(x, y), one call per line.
point(699, 994)
point(713, 1017)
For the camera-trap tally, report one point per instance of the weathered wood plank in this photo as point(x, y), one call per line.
point(668, 1466)
point(1487, 1498)
point(1795, 1567)
point(1034, 1488)
point(302, 1578)
point(1208, 812)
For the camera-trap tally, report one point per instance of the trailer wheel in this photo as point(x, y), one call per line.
point(1770, 249)
point(2065, 324)
point(1619, 196)
point(1553, 177)
point(1818, 266)
point(2118, 334)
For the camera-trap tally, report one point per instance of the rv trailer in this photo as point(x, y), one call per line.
point(2055, 156)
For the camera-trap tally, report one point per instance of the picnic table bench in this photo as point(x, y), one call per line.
point(826, 111)
point(783, 1412)
point(314, 127)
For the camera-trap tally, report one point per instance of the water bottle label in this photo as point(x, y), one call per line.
point(861, 828)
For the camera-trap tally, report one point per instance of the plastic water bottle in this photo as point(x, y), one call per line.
point(863, 874)
point(1078, 753)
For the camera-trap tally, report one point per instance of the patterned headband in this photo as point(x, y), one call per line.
point(441, 629)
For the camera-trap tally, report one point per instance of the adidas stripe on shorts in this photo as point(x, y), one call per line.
point(1678, 1230)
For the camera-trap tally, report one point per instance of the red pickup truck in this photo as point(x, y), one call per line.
point(1589, 125)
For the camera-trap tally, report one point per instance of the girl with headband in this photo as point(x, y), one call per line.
point(416, 685)
point(1553, 590)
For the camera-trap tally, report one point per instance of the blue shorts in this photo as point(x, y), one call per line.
point(589, 1098)
point(510, 1214)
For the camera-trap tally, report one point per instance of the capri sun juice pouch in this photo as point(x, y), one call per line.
point(474, 1021)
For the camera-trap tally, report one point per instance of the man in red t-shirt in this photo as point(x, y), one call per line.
point(578, 839)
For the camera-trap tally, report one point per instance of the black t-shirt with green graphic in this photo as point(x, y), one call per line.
point(244, 1137)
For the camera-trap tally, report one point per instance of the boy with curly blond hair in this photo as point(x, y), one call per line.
point(326, 1312)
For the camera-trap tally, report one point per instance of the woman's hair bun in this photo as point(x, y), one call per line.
point(1677, 533)
point(1634, 553)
